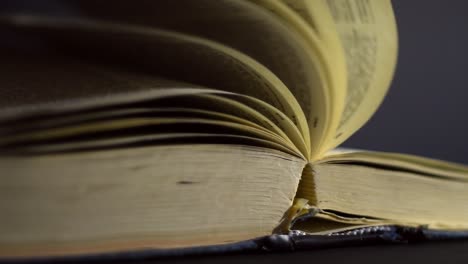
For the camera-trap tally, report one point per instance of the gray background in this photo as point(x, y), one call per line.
point(425, 111)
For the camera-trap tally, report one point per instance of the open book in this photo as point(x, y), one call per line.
point(171, 124)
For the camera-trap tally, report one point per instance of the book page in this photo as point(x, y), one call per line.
point(122, 142)
point(26, 125)
point(367, 30)
point(162, 53)
point(278, 118)
point(324, 49)
point(138, 125)
point(42, 78)
point(35, 84)
point(140, 198)
point(359, 36)
point(43, 82)
point(404, 197)
point(244, 26)
point(399, 161)
point(223, 103)
point(246, 107)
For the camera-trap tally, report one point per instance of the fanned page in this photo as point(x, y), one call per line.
point(330, 88)
point(249, 28)
point(358, 42)
point(238, 74)
point(350, 47)
point(297, 40)
point(367, 30)
point(336, 57)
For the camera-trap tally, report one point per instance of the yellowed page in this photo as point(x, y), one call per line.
point(266, 30)
point(172, 112)
point(359, 42)
point(129, 123)
point(130, 199)
point(61, 87)
point(242, 106)
point(166, 51)
point(368, 33)
point(328, 89)
point(399, 195)
point(319, 20)
point(220, 103)
point(47, 85)
point(148, 141)
point(399, 161)
point(259, 112)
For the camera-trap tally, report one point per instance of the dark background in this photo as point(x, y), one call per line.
point(425, 111)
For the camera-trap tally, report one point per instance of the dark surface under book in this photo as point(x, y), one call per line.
point(431, 252)
point(383, 244)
